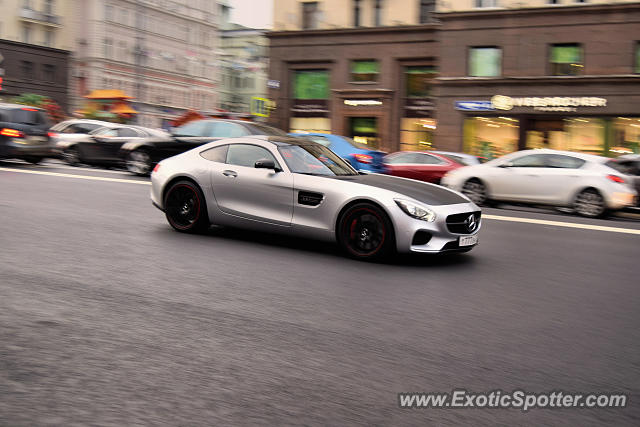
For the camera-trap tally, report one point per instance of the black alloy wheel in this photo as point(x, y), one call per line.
point(71, 156)
point(365, 232)
point(185, 207)
point(138, 162)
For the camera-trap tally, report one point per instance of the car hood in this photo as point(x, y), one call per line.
point(429, 194)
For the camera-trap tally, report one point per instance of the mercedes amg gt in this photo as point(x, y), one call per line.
point(294, 185)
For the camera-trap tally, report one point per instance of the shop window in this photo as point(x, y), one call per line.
point(311, 84)
point(485, 61)
point(309, 15)
point(626, 136)
point(364, 130)
point(364, 71)
point(417, 134)
point(420, 81)
point(566, 60)
point(427, 8)
point(490, 137)
point(636, 68)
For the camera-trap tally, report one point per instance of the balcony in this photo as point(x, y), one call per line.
point(40, 17)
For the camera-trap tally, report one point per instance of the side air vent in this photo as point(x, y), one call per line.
point(309, 198)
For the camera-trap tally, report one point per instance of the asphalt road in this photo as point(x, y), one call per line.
point(109, 317)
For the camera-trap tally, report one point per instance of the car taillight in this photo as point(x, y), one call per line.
point(52, 134)
point(155, 169)
point(363, 158)
point(12, 133)
point(616, 178)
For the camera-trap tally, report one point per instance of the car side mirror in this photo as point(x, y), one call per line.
point(266, 164)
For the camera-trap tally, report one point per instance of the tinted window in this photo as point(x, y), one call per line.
point(628, 167)
point(28, 116)
point(458, 159)
point(530, 161)
point(227, 130)
point(314, 159)
point(216, 154)
point(428, 159)
point(126, 132)
point(198, 128)
point(566, 162)
point(247, 155)
point(106, 132)
point(81, 128)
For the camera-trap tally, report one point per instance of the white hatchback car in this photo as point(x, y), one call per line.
point(546, 177)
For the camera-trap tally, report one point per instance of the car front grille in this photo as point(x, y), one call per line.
point(462, 223)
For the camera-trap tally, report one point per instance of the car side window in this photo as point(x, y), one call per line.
point(216, 154)
point(402, 158)
point(428, 159)
point(227, 130)
point(247, 155)
point(107, 132)
point(564, 162)
point(529, 161)
point(81, 128)
point(126, 132)
point(320, 140)
point(197, 128)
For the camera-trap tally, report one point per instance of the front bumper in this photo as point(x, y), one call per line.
point(411, 233)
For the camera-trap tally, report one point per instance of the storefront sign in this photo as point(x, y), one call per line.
point(547, 103)
point(273, 84)
point(362, 102)
point(474, 105)
point(310, 108)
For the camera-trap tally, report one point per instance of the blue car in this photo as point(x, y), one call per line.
point(360, 156)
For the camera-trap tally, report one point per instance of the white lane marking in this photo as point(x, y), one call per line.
point(68, 175)
point(493, 217)
point(51, 165)
point(562, 224)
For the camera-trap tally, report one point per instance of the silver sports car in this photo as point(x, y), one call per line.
point(297, 186)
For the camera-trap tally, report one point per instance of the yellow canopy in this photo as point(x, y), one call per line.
point(108, 94)
point(123, 109)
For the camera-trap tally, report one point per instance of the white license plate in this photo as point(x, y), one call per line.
point(468, 240)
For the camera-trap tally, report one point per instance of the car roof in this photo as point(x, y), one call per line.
point(9, 106)
point(282, 141)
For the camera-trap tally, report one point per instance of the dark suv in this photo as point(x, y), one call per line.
point(24, 133)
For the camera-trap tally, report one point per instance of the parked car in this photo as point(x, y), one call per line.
point(629, 164)
point(142, 155)
point(297, 186)
point(74, 129)
point(420, 165)
point(583, 182)
point(360, 156)
point(24, 133)
point(102, 146)
point(462, 158)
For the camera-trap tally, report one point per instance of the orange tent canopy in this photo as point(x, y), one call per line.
point(108, 94)
point(122, 109)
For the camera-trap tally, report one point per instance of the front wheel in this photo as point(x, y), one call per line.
point(186, 208)
point(365, 232)
point(590, 203)
point(138, 162)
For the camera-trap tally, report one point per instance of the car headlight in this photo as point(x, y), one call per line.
point(416, 211)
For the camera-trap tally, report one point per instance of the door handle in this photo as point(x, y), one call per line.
point(229, 173)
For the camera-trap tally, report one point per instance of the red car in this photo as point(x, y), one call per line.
point(420, 165)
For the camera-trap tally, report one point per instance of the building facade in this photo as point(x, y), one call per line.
point(34, 49)
point(514, 79)
point(160, 52)
point(419, 74)
point(243, 64)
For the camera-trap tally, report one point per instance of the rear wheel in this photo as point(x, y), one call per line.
point(139, 162)
point(365, 232)
point(476, 191)
point(71, 156)
point(185, 207)
point(590, 203)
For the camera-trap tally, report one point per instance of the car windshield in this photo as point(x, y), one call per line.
point(268, 130)
point(315, 159)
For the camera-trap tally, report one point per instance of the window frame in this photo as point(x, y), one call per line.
point(275, 159)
